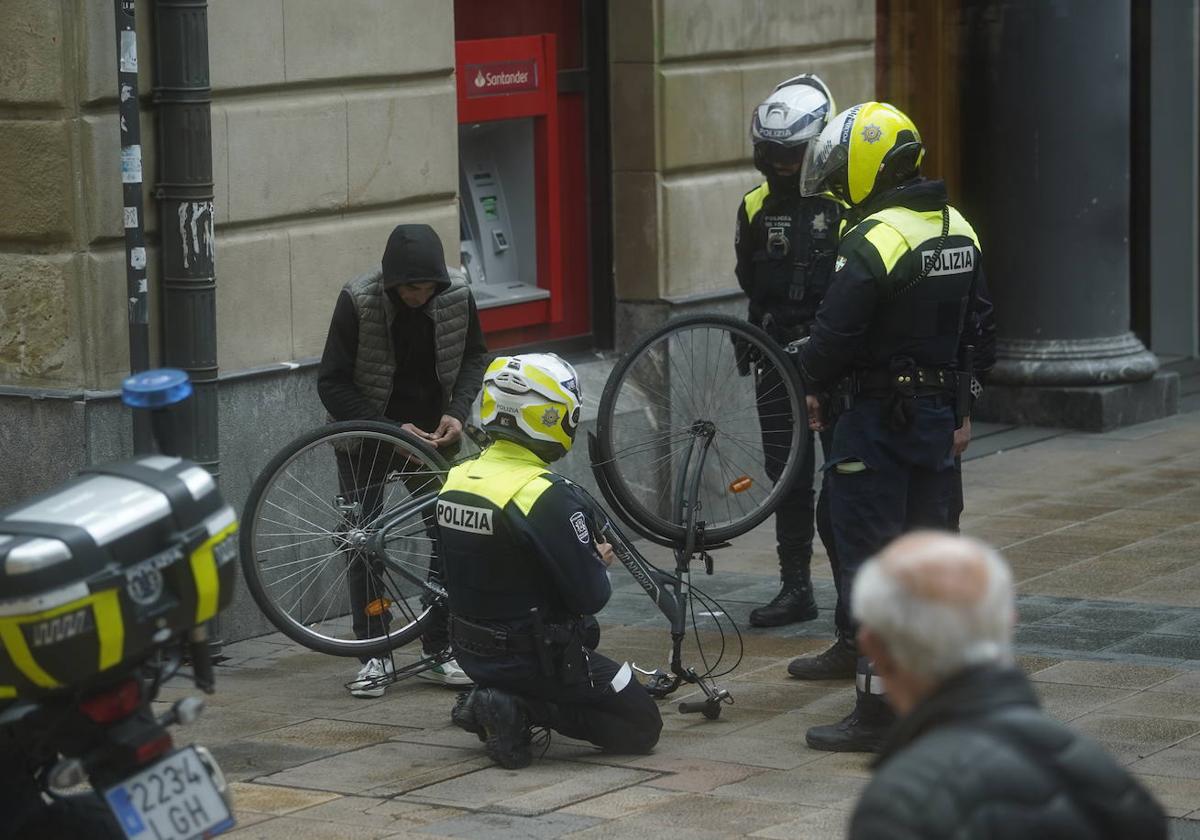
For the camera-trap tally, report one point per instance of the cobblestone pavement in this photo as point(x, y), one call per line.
point(1103, 533)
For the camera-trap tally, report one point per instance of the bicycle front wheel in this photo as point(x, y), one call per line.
point(309, 526)
point(710, 390)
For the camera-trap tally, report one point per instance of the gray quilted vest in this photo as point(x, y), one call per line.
point(375, 362)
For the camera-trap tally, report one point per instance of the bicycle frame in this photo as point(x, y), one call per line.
point(668, 592)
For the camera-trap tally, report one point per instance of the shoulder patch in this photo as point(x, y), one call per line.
point(839, 264)
point(579, 523)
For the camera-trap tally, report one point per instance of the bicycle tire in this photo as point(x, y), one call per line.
point(645, 500)
point(323, 473)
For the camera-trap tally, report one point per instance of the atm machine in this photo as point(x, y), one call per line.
point(510, 223)
point(497, 212)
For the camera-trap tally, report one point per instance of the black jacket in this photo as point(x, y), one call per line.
point(413, 254)
point(872, 314)
point(978, 759)
point(785, 245)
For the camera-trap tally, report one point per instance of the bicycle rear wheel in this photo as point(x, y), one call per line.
point(306, 530)
point(711, 383)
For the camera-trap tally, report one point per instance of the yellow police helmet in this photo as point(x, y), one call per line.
point(533, 399)
point(862, 152)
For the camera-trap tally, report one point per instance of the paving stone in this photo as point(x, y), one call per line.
point(1067, 702)
point(1068, 637)
point(1102, 615)
point(1153, 644)
point(694, 775)
point(702, 816)
point(805, 786)
point(511, 826)
point(619, 803)
point(270, 799)
point(391, 814)
point(538, 789)
point(816, 824)
point(1032, 663)
point(339, 735)
point(1131, 738)
point(777, 744)
point(1177, 762)
point(241, 760)
point(1187, 683)
point(392, 767)
point(1104, 674)
point(1161, 704)
point(1186, 625)
point(1183, 829)
point(292, 828)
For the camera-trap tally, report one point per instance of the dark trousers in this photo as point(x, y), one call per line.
point(368, 477)
point(883, 482)
point(794, 518)
point(625, 721)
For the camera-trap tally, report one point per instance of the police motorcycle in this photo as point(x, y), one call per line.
point(106, 585)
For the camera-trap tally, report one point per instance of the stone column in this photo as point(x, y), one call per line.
point(1046, 159)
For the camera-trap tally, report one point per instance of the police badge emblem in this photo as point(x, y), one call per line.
point(871, 133)
point(550, 418)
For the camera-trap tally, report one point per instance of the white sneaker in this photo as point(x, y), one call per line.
point(369, 683)
point(448, 674)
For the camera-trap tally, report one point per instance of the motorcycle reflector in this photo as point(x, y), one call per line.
point(146, 752)
point(741, 484)
point(112, 705)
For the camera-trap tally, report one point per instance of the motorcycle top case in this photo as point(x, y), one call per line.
point(104, 568)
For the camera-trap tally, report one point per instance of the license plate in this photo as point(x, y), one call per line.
point(174, 799)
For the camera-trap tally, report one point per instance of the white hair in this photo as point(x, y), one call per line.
point(934, 639)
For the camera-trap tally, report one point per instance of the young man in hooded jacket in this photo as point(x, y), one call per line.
point(405, 346)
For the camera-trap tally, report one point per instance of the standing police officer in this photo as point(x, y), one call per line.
point(904, 327)
point(524, 574)
point(786, 244)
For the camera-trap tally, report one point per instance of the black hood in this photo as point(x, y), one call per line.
point(920, 194)
point(414, 255)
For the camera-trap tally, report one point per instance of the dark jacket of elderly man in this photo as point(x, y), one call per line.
point(979, 759)
point(973, 756)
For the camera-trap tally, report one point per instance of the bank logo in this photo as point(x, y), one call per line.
point(473, 520)
point(480, 80)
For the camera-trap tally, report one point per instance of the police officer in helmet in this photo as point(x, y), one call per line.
point(786, 244)
point(904, 328)
point(524, 573)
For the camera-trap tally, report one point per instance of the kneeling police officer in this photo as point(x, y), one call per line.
point(902, 331)
point(524, 573)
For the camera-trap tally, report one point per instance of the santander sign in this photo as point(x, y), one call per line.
point(501, 77)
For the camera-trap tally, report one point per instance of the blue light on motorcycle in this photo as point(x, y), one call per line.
point(156, 388)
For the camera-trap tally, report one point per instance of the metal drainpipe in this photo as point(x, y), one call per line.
point(185, 201)
point(131, 187)
point(182, 98)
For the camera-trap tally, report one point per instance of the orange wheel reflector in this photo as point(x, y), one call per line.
point(741, 485)
point(378, 607)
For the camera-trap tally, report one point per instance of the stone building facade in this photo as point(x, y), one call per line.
point(329, 127)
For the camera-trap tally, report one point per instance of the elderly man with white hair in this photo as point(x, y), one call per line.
point(973, 756)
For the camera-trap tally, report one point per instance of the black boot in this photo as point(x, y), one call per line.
point(836, 663)
point(863, 730)
point(506, 727)
point(463, 713)
point(795, 599)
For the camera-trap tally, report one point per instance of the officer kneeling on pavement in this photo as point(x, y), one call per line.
point(890, 344)
point(524, 574)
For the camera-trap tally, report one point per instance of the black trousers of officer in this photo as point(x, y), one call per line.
point(363, 479)
point(625, 721)
point(883, 482)
point(797, 511)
